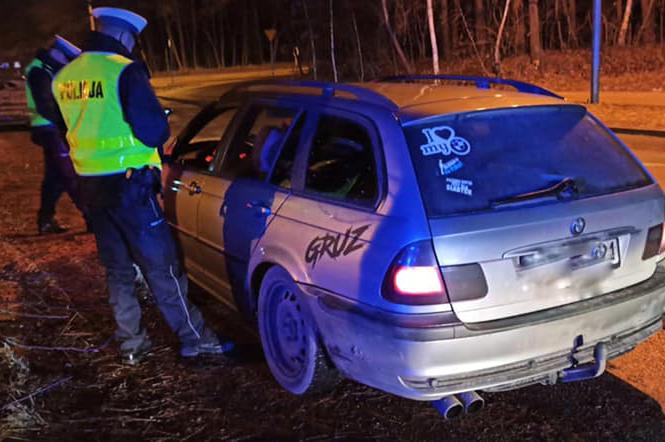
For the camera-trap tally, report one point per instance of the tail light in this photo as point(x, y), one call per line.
point(655, 244)
point(414, 277)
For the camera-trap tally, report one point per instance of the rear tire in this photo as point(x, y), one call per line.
point(292, 349)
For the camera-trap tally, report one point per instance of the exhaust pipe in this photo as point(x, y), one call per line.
point(449, 407)
point(472, 401)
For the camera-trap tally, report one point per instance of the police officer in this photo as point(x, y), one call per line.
point(115, 125)
point(46, 130)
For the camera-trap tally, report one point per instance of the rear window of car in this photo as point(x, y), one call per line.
point(481, 160)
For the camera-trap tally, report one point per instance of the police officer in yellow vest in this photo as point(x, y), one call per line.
point(114, 126)
point(47, 130)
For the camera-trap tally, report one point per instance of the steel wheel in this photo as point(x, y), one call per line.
point(290, 344)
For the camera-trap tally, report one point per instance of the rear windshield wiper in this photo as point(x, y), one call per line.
point(567, 187)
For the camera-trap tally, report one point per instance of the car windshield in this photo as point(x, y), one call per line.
point(487, 159)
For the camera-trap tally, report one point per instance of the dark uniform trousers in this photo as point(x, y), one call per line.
point(59, 174)
point(134, 230)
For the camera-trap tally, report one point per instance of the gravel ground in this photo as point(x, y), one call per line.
point(52, 294)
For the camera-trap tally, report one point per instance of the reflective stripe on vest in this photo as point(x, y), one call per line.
point(101, 142)
point(36, 120)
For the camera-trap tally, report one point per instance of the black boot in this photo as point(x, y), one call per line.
point(46, 226)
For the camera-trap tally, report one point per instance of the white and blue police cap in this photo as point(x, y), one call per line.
point(68, 49)
point(121, 18)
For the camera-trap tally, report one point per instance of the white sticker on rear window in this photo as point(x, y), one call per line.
point(448, 167)
point(465, 187)
point(442, 139)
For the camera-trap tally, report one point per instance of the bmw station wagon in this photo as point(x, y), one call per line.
point(430, 237)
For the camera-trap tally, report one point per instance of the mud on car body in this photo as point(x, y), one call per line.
point(425, 238)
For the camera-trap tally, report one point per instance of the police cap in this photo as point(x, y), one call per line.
point(121, 18)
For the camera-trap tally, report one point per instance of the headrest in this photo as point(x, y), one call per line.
point(265, 144)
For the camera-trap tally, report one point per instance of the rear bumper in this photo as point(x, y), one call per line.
point(426, 357)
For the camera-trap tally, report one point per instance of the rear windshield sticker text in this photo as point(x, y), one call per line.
point(334, 245)
point(464, 187)
point(448, 167)
point(442, 139)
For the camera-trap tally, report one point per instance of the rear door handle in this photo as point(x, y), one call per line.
point(259, 207)
point(194, 188)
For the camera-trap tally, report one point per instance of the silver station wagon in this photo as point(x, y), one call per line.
point(430, 237)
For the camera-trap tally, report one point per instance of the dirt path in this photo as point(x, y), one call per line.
point(52, 295)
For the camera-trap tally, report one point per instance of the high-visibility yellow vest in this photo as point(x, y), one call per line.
point(36, 120)
point(101, 141)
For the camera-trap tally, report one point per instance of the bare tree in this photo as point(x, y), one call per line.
point(358, 45)
point(647, 31)
point(432, 37)
point(332, 40)
point(311, 38)
point(480, 26)
point(519, 30)
point(621, 41)
point(499, 36)
point(535, 41)
point(445, 29)
point(571, 15)
point(393, 38)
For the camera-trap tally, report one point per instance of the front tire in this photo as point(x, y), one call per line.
point(291, 347)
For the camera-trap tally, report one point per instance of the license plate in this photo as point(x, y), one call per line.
point(607, 250)
point(600, 252)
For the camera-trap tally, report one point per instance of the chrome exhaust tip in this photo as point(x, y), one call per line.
point(449, 407)
point(472, 402)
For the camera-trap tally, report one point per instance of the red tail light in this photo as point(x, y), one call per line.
point(414, 277)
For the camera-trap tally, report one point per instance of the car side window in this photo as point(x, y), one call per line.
point(255, 145)
point(281, 175)
point(199, 151)
point(341, 162)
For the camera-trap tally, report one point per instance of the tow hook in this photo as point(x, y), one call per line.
point(587, 371)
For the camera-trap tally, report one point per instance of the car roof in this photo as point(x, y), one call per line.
point(420, 99)
point(416, 101)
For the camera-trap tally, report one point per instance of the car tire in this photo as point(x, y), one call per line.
point(291, 346)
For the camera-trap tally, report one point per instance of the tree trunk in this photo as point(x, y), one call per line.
point(499, 35)
point(311, 38)
point(193, 36)
point(455, 28)
point(258, 32)
point(395, 42)
point(621, 41)
point(535, 41)
point(245, 37)
point(170, 43)
point(571, 14)
point(647, 32)
point(445, 29)
point(519, 28)
point(332, 40)
point(432, 37)
point(358, 45)
point(181, 34)
point(480, 26)
point(222, 38)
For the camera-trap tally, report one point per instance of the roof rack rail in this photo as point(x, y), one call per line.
point(481, 82)
point(329, 90)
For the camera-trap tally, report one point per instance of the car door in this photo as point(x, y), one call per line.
point(228, 231)
point(186, 178)
point(330, 220)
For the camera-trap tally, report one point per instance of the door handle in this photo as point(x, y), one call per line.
point(259, 207)
point(193, 187)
